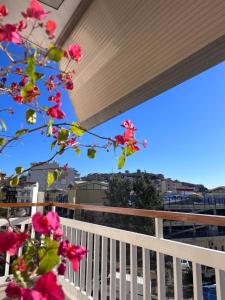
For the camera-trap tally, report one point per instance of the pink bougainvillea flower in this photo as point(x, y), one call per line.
point(46, 224)
point(61, 269)
point(120, 139)
point(12, 290)
point(40, 224)
point(75, 52)
point(75, 254)
point(63, 247)
point(11, 242)
point(18, 99)
point(49, 289)
point(3, 11)
point(53, 220)
point(134, 147)
point(9, 33)
point(57, 234)
point(128, 124)
point(69, 85)
point(145, 143)
point(55, 112)
point(22, 25)
point(35, 10)
point(50, 27)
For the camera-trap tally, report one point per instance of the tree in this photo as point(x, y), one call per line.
point(145, 194)
point(137, 192)
point(119, 192)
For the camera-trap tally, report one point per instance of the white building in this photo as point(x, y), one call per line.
point(39, 174)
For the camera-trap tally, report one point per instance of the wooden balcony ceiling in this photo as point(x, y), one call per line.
point(134, 50)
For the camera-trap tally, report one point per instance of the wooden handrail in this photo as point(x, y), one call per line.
point(172, 216)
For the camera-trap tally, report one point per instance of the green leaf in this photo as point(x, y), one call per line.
point(2, 141)
point(19, 170)
point(91, 152)
point(129, 150)
point(21, 132)
point(30, 69)
point(53, 177)
point(48, 261)
point(27, 88)
point(55, 54)
point(48, 256)
point(77, 150)
point(76, 129)
point(14, 182)
point(38, 75)
point(53, 144)
point(2, 125)
point(31, 116)
point(121, 160)
point(62, 149)
point(63, 135)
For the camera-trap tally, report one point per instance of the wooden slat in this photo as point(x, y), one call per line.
point(104, 268)
point(146, 274)
point(177, 273)
point(220, 284)
point(133, 272)
point(77, 274)
point(96, 267)
point(83, 262)
point(112, 269)
point(123, 271)
point(197, 281)
point(89, 264)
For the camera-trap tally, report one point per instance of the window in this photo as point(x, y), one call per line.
point(52, 3)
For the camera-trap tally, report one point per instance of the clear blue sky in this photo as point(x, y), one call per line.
point(185, 127)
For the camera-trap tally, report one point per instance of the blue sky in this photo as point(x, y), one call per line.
point(185, 128)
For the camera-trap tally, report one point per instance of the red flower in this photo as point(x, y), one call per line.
point(48, 288)
point(11, 242)
point(44, 224)
point(40, 224)
point(63, 247)
point(18, 99)
point(53, 220)
point(128, 124)
point(57, 234)
point(50, 28)
point(120, 139)
point(61, 269)
point(69, 85)
point(12, 290)
point(21, 266)
point(22, 25)
point(8, 33)
point(75, 52)
point(134, 147)
point(75, 254)
point(55, 112)
point(3, 11)
point(35, 10)
point(23, 81)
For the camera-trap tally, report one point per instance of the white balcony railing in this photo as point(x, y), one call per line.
point(127, 265)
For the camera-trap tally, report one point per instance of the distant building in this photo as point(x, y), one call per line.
point(39, 174)
point(87, 192)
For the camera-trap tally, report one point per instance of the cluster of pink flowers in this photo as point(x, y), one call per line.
point(46, 287)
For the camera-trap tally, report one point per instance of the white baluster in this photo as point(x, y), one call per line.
point(112, 269)
point(123, 271)
point(96, 268)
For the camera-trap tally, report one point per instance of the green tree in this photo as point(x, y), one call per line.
point(145, 195)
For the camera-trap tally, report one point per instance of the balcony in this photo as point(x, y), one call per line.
point(128, 265)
